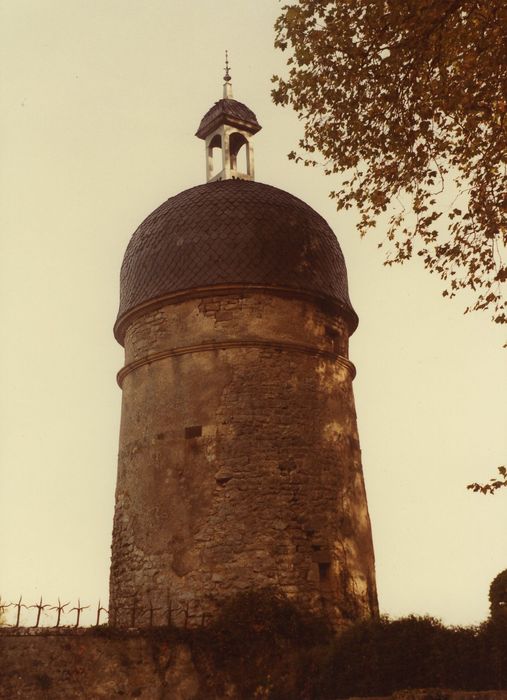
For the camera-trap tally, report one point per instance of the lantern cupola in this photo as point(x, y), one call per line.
point(228, 126)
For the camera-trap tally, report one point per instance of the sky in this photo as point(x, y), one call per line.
point(99, 103)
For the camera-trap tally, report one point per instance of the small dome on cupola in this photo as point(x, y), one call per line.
point(231, 112)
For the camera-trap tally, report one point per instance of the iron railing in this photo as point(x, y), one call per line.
point(45, 614)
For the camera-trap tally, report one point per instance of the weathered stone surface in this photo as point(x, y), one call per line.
point(73, 666)
point(239, 462)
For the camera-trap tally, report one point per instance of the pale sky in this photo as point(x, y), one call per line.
point(99, 103)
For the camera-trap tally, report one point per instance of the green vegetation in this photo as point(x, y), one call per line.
point(268, 648)
point(498, 598)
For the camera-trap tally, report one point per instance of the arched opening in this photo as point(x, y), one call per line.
point(215, 155)
point(238, 146)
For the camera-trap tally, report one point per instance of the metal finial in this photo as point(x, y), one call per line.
point(227, 75)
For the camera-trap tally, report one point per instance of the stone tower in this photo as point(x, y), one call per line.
point(239, 460)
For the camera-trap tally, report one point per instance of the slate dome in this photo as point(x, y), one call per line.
point(232, 233)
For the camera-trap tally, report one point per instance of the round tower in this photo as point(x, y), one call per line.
point(239, 461)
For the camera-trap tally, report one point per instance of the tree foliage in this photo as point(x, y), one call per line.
point(498, 597)
point(406, 100)
point(497, 482)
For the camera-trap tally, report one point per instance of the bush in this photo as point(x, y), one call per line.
point(264, 618)
point(267, 647)
point(265, 644)
point(380, 657)
point(498, 597)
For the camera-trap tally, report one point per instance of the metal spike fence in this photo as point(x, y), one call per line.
point(19, 614)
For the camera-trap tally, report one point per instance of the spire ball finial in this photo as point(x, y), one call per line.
point(227, 75)
point(227, 79)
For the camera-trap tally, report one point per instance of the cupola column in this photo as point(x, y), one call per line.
point(250, 159)
point(226, 157)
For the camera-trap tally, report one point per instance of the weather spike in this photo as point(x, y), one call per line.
point(227, 76)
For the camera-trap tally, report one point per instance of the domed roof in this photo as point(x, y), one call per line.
point(232, 232)
point(228, 111)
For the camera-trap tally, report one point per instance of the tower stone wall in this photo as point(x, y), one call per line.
point(239, 463)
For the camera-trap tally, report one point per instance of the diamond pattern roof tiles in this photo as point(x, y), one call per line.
point(233, 232)
point(228, 111)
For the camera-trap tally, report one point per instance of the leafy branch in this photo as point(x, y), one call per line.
point(493, 484)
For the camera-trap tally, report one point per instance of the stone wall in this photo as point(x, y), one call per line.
point(90, 665)
point(67, 665)
point(239, 463)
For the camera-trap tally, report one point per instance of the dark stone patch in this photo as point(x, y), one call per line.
point(44, 681)
point(193, 431)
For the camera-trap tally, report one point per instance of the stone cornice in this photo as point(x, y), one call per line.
point(122, 324)
point(241, 344)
